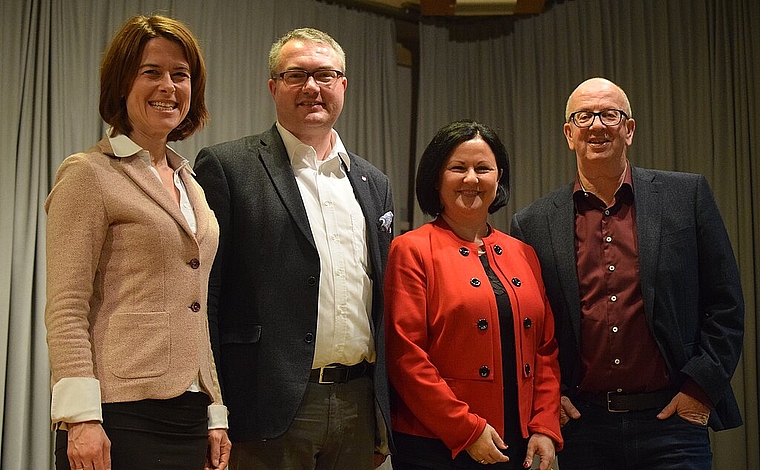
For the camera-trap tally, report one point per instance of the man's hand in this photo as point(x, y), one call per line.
point(218, 453)
point(88, 446)
point(688, 408)
point(567, 411)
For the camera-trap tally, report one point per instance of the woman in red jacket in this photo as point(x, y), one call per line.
point(470, 335)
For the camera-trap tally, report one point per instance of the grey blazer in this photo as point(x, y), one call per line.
point(689, 279)
point(263, 291)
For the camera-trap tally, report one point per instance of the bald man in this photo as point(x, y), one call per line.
point(646, 295)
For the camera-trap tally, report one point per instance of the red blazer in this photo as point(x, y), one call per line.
point(446, 368)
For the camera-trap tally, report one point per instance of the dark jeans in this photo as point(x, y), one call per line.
point(633, 441)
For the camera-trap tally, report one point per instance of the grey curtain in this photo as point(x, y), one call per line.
point(691, 70)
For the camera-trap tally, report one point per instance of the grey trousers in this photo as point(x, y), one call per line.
point(334, 429)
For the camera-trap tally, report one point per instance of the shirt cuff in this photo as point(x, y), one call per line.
point(75, 400)
point(217, 417)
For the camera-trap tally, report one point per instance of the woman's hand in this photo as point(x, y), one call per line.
point(88, 447)
point(543, 446)
point(486, 449)
point(219, 446)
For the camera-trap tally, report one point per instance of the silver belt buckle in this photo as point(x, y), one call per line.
point(322, 381)
point(608, 404)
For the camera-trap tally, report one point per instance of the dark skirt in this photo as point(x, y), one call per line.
point(152, 434)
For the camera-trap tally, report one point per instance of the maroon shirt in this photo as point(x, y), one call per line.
point(618, 351)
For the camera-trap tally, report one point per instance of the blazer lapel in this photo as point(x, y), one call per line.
point(370, 207)
point(648, 226)
point(360, 184)
point(561, 223)
point(271, 150)
point(139, 172)
point(198, 201)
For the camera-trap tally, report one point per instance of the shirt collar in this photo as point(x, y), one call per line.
point(623, 193)
point(123, 146)
point(300, 153)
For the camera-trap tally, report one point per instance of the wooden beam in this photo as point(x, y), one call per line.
point(437, 7)
point(529, 7)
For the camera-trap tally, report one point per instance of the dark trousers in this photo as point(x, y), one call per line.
point(152, 434)
point(334, 429)
point(633, 441)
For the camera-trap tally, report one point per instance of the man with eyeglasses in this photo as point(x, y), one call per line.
point(295, 296)
point(645, 290)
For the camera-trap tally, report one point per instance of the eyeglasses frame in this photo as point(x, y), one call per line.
point(596, 114)
point(281, 76)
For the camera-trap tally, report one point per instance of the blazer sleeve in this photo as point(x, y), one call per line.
point(414, 377)
point(546, 390)
point(720, 299)
point(77, 224)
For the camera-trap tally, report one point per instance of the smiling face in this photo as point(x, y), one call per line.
point(599, 144)
point(468, 181)
point(160, 95)
point(308, 111)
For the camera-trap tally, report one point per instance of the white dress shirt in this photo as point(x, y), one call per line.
point(344, 334)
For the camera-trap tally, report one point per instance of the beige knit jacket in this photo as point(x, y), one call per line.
point(127, 279)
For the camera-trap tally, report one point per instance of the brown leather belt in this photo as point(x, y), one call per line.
point(338, 373)
point(623, 402)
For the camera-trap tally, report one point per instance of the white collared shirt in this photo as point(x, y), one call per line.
point(123, 146)
point(344, 335)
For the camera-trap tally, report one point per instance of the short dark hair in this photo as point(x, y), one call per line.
point(438, 151)
point(122, 60)
point(308, 35)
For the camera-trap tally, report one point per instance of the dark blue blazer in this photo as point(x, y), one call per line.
point(264, 285)
point(689, 280)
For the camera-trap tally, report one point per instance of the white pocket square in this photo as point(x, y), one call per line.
point(384, 224)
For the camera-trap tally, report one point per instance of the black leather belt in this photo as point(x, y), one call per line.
point(622, 402)
point(338, 373)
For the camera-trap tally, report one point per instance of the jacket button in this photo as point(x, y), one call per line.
point(308, 338)
point(311, 280)
point(497, 249)
point(194, 263)
point(527, 369)
point(527, 323)
point(195, 307)
point(516, 282)
point(484, 371)
point(482, 324)
point(475, 282)
point(464, 251)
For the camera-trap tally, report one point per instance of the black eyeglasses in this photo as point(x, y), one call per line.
point(608, 117)
point(323, 77)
